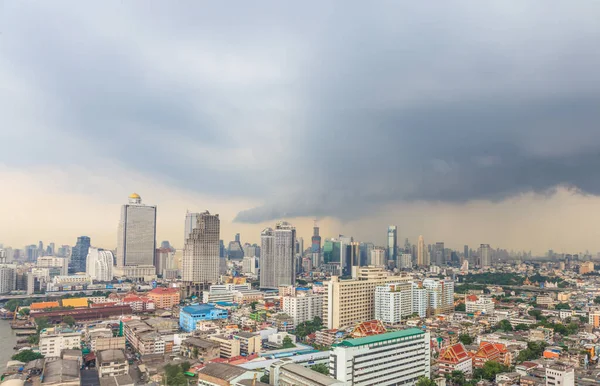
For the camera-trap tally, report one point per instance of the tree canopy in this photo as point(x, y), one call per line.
point(27, 356)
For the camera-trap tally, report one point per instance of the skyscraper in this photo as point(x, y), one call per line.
point(235, 251)
point(201, 252)
point(392, 244)
point(99, 264)
point(438, 254)
point(79, 254)
point(315, 240)
point(136, 236)
point(345, 259)
point(421, 252)
point(191, 220)
point(466, 252)
point(485, 255)
point(277, 262)
point(355, 254)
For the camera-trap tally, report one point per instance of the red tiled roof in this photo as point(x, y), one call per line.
point(454, 354)
point(472, 298)
point(164, 291)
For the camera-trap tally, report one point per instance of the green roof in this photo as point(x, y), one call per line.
point(380, 338)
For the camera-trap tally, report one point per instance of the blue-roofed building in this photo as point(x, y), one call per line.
point(190, 315)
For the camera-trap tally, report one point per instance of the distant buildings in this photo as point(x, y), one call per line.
point(378, 257)
point(59, 265)
point(79, 254)
point(8, 277)
point(422, 255)
point(485, 255)
point(277, 262)
point(235, 250)
point(440, 293)
point(392, 243)
point(136, 235)
point(393, 358)
point(99, 264)
point(201, 252)
point(191, 219)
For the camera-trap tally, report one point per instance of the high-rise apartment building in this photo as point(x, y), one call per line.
point(485, 255)
point(303, 307)
point(79, 254)
point(60, 265)
point(277, 262)
point(389, 359)
point(351, 301)
point(201, 252)
point(378, 257)
point(392, 243)
point(8, 278)
point(422, 255)
point(191, 219)
point(393, 302)
point(136, 236)
point(438, 256)
point(99, 264)
point(466, 252)
point(440, 293)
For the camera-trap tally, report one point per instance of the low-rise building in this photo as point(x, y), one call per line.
point(61, 372)
point(190, 315)
point(286, 373)
point(111, 363)
point(165, 298)
point(479, 304)
point(228, 346)
point(223, 374)
point(560, 375)
point(250, 343)
point(54, 340)
point(200, 349)
point(541, 334)
point(303, 307)
point(455, 358)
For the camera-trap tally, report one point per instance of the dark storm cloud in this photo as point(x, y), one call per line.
point(318, 110)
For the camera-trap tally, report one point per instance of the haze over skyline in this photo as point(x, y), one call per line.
point(466, 122)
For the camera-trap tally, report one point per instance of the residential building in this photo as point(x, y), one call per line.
point(378, 257)
point(223, 374)
point(560, 375)
point(440, 295)
point(541, 334)
point(352, 301)
point(190, 315)
point(485, 255)
point(286, 373)
point(228, 346)
point(250, 343)
point(111, 363)
point(277, 339)
point(303, 307)
point(393, 302)
point(165, 298)
point(277, 265)
point(79, 254)
point(104, 340)
point(405, 261)
point(99, 264)
point(143, 338)
point(201, 252)
point(420, 299)
point(61, 264)
point(455, 358)
point(136, 235)
point(250, 265)
point(586, 267)
point(594, 318)
point(200, 349)
point(393, 358)
point(54, 340)
point(479, 304)
point(8, 278)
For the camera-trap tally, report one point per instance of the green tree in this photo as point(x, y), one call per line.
point(185, 366)
point(41, 323)
point(287, 342)
point(465, 339)
point(537, 314)
point(253, 306)
point(457, 378)
point(196, 352)
point(264, 378)
point(69, 320)
point(178, 380)
point(489, 370)
point(504, 325)
point(320, 368)
point(425, 382)
point(521, 327)
point(24, 311)
point(460, 307)
point(12, 305)
point(27, 356)
point(597, 300)
point(562, 306)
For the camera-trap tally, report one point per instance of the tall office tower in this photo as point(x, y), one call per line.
point(31, 252)
point(407, 246)
point(421, 252)
point(191, 219)
point(299, 249)
point(378, 257)
point(99, 264)
point(51, 249)
point(136, 236)
point(79, 254)
point(392, 243)
point(466, 252)
point(221, 249)
point(42, 251)
point(315, 246)
point(201, 252)
point(355, 254)
point(365, 253)
point(235, 251)
point(167, 245)
point(64, 251)
point(438, 254)
point(164, 258)
point(345, 260)
point(3, 258)
point(277, 262)
point(485, 255)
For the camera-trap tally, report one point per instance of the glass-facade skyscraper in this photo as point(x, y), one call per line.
point(392, 243)
point(79, 254)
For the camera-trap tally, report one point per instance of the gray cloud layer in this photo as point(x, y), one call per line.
point(316, 109)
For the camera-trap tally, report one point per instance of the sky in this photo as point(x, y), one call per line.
point(468, 122)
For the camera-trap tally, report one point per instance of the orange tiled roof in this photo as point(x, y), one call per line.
point(75, 302)
point(454, 354)
point(163, 291)
point(43, 305)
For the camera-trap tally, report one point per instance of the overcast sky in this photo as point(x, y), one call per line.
point(465, 121)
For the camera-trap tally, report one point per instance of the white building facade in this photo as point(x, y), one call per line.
point(303, 308)
point(136, 235)
point(393, 302)
point(99, 264)
point(200, 263)
point(277, 261)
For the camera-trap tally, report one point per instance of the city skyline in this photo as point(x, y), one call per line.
point(459, 135)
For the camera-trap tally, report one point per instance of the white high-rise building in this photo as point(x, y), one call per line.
point(60, 263)
point(201, 251)
point(390, 359)
point(191, 219)
point(277, 261)
point(303, 307)
point(393, 302)
point(440, 295)
point(485, 255)
point(405, 260)
point(136, 241)
point(378, 257)
point(420, 300)
point(249, 265)
point(422, 255)
point(8, 278)
point(99, 264)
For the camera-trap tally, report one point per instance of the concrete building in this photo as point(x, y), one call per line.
point(54, 340)
point(250, 343)
point(479, 303)
point(79, 254)
point(440, 295)
point(303, 307)
point(586, 267)
point(228, 346)
point(250, 265)
point(99, 264)
point(136, 235)
point(8, 278)
point(277, 261)
point(165, 298)
point(420, 299)
point(560, 375)
point(111, 363)
point(393, 358)
point(224, 374)
point(200, 349)
point(422, 255)
point(189, 316)
point(378, 257)
point(352, 301)
point(455, 358)
point(485, 255)
point(201, 251)
point(392, 244)
point(286, 373)
point(191, 221)
point(393, 302)
point(60, 263)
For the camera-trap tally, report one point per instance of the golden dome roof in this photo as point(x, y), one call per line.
point(134, 196)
